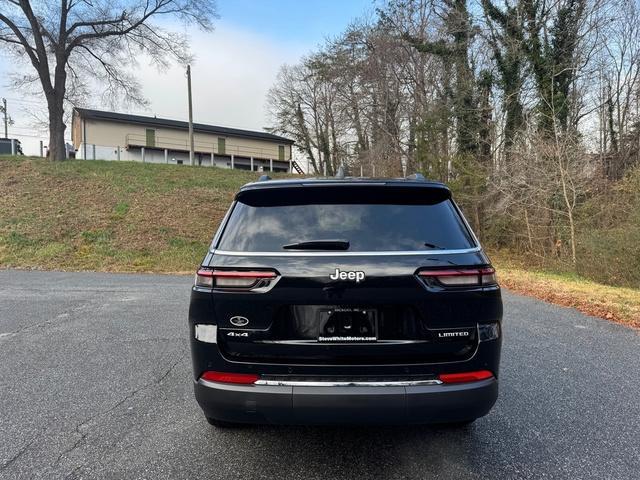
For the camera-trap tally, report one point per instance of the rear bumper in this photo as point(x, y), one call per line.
point(346, 404)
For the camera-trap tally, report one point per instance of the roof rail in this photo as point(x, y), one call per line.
point(264, 178)
point(416, 176)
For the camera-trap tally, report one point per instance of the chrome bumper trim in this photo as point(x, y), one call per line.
point(333, 253)
point(320, 383)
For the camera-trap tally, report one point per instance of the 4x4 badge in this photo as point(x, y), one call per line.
point(356, 275)
point(238, 334)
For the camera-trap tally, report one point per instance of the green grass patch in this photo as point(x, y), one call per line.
point(96, 236)
point(121, 209)
point(17, 240)
point(54, 251)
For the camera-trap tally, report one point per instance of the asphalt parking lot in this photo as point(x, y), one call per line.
point(95, 382)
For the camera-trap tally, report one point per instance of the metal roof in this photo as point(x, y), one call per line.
point(178, 124)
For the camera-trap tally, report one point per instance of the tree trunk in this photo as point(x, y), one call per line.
point(514, 117)
point(465, 108)
point(306, 143)
point(570, 206)
point(55, 102)
point(529, 236)
point(57, 150)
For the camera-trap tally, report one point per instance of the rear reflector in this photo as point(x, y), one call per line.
point(465, 377)
point(225, 377)
point(489, 331)
point(234, 279)
point(462, 277)
point(206, 333)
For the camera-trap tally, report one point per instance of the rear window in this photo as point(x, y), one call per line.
point(408, 222)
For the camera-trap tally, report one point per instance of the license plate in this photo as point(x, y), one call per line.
point(348, 325)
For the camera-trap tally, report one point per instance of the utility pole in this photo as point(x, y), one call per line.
point(190, 116)
point(6, 118)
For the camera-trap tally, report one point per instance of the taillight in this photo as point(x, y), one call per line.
point(242, 280)
point(463, 277)
point(204, 278)
point(225, 377)
point(465, 377)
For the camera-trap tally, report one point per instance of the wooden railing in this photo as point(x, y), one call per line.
point(182, 144)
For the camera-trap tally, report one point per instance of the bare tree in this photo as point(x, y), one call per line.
point(618, 91)
point(301, 103)
point(541, 189)
point(455, 46)
point(74, 44)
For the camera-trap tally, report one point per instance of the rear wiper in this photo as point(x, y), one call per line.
point(319, 245)
point(431, 245)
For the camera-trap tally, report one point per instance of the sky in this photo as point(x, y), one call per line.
point(234, 68)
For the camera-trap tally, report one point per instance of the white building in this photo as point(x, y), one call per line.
point(99, 135)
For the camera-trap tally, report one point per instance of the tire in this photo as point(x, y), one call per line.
point(221, 423)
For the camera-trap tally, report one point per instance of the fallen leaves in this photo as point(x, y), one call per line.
point(616, 304)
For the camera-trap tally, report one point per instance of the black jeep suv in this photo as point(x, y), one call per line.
point(345, 301)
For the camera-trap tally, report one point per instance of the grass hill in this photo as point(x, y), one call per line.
point(110, 216)
point(134, 217)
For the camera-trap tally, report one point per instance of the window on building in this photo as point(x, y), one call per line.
point(281, 153)
point(222, 144)
point(151, 137)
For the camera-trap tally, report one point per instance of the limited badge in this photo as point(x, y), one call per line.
point(453, 335)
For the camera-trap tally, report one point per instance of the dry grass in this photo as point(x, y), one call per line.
point(110, 216)
point(612, 303)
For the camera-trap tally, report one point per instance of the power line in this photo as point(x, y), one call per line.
point(28, 131)
point(20, 100)
point(31, 136)
point(31, 127)
point(146, 113)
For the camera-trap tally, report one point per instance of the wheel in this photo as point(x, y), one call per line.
point(221, 423)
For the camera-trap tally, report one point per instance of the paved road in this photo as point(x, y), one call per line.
point(95, 382)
